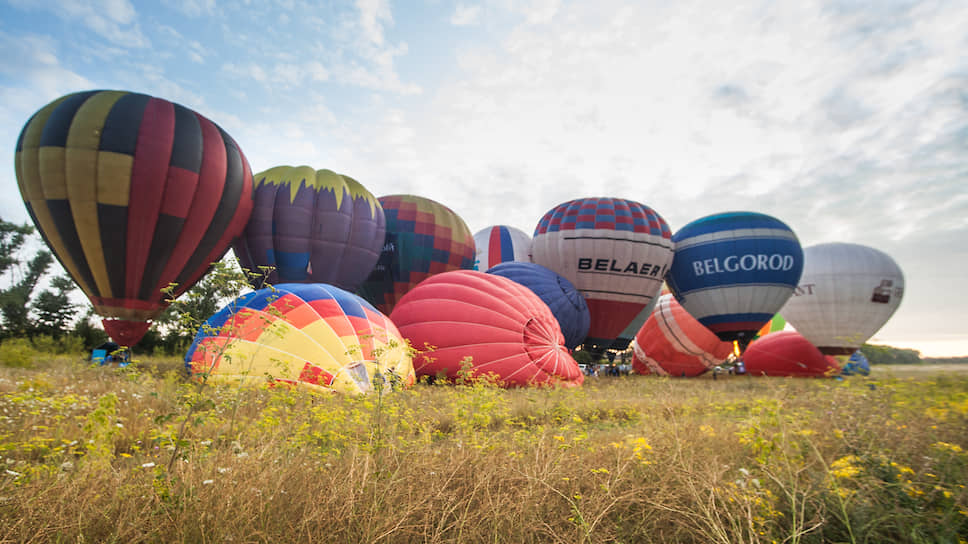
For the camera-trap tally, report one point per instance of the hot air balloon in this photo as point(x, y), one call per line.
point(423, 238)
point(501, 326)
point(500, 244)
point(564, 301)
point(616, 253)
point(673, 343)
point(846, 294)
point(777, 323)
point(311, 226)
point(733, 271)
point(787, 353)
point(625, 337)
point(131, 193)
point(311, 335)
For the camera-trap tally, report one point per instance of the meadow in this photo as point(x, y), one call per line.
point(138, 454)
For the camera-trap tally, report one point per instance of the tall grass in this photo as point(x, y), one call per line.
point(84, 455)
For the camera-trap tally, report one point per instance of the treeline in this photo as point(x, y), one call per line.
point(36, 308)
point(887, 355)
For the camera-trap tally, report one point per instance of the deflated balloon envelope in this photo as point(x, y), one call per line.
point(423, 238)
point(312, 335)
point(614, 251)
point(846, 294)
point(311, 226)
point(733, 271)
point(132, 193)
point(501, 326)
point(673, 343)
point(787, 353)
point(500, 244)
point(564, 301)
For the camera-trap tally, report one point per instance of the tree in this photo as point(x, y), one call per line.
point(181, 320)
point(54, 309)
point(15, 299)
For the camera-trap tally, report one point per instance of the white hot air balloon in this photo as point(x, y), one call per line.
point(500, 244)
point(845, 295)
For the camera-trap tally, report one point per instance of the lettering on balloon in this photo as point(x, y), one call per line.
point(614, 266)
point(743, 263)
point(805, 289)
point(882, 293)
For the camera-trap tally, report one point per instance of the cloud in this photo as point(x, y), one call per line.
point(465, 14)
point(373, 15)
point(192, 8)
point(113, 20)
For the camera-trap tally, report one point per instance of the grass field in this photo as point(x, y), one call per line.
point(93, 454)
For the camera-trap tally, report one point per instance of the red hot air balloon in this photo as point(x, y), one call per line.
point(503, 327)
point(787, 353)
point(132, 193)
point(673, 343)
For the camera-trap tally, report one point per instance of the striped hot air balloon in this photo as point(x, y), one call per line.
point(615, 252)
point(131, 193)
point(311, 335)
point(312, 226)
point(734, 271)
point(501, 244)
point(673, 343)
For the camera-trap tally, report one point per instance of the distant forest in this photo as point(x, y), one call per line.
point(887, 355)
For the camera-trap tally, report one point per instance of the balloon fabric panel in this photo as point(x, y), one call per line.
point(500, 243)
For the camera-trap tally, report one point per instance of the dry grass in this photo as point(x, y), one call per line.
point(85, 455)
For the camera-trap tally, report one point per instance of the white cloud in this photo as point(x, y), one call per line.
point(192, 8)
point(373, 15)
point(113, 20)
point(465, 14)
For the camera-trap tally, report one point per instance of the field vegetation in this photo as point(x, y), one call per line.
point(139, 454)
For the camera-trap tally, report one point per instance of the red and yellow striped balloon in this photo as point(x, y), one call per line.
point(132, 193)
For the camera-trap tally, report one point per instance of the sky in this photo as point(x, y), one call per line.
point(848, 120)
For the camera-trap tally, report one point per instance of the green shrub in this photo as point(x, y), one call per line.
point(17, 352)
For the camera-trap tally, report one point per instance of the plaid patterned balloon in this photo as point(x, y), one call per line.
point(603, 213)
point(423, 238)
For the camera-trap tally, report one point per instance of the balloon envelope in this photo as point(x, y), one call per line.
point(564, 301)
point(500, 244)
point(615, 252)
point(846, 294)
point(673, 343)
point(502, 326)
point(733, 271)
point(787, 353)
point(311, 226)
point(132, 193)
point(423, 238)
point(312, 335)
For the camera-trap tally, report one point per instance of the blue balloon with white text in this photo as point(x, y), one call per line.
point(733, 271)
